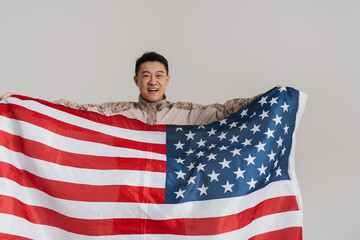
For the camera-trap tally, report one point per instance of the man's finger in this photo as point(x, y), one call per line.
point(6, 95)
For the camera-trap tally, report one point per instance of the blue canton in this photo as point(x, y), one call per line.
point(235, 156)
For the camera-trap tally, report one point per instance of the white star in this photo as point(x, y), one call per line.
point(253, 115)
point(234, 139)
point(285, 107)
point(179, 129)
point(199, 154)
point(211, 132)
point(239, 173)
point(223, 121)
point(179, 145)
point(190, 151)
point(224, 164)
point(180, 193)
point(279, 142)
point(222, 136)
point(227, 187)
point(211, 156)
point(260, 146)
point(269, 133)
point(273, 101)
point(244, 113)
point(263, 100)
point(191, 180)
point(264, 114)
point(278, 172)
point(246, 142)
point(271, 156)
point(233, 124)
point(251, 183)
point(255, 128)
point(223, 148)
point(282, 89)
point(203, 190)
point(277, 120)
point(283, 151)
point(211, 146)
point(268, 178)
point(180, 174)
point(250, 160)
point(201, 143)
point(243, 126)
point(276, 163)
point(236, 152)
point(179, 160)
point(286, 128)
point(262, 169)
point(190, 135)
point(191, 166)
point(214, 176)
point(201, 126)
point(201, 167)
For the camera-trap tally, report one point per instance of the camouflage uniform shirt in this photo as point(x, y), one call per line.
point(165, 112)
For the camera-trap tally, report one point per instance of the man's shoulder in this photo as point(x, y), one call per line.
point(124, 106)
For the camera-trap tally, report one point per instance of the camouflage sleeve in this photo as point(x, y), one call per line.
point(204, 114)
point(233, 105)
point(104, 108)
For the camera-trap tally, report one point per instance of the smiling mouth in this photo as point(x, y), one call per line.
point(153, 90)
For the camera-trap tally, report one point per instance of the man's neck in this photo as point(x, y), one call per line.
point(142, 99)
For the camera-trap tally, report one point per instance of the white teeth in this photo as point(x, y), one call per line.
point(153, 89)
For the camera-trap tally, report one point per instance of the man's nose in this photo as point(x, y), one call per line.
point(152, 80)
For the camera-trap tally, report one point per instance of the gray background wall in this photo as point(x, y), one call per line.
point(85, 51)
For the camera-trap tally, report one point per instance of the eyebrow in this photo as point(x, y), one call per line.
point(160, 71)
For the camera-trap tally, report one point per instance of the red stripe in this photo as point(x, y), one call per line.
point(43, 152)
point(213, 226)
point(83, 192)
point(65, 129)
point(95, 227)
point(293, 233)
point(116, 120)
point(5, 236)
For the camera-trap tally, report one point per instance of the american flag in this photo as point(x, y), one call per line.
point(72, 174)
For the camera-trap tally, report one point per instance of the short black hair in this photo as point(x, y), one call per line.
point(151, 57)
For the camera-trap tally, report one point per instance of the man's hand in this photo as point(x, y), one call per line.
point(6, 95)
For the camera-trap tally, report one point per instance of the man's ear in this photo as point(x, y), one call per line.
point(167, 79)
point(136, 80)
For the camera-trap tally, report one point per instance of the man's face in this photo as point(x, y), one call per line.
point(152, 80)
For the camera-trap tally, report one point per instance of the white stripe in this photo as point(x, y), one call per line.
point(17, 226)
point(301, 107)
point(106, 210)
point(136, 135)
point(57, 172)
point(38, 134)
point(266, 224)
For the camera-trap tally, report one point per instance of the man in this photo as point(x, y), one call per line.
point(152, 77)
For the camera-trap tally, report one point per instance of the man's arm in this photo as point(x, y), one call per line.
point(233, 105)
point(104, 108)
point(204, 114)
point(107, 109)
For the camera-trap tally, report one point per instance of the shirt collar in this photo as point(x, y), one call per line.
point(144, 104)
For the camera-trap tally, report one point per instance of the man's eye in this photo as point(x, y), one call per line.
point(159, 76)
